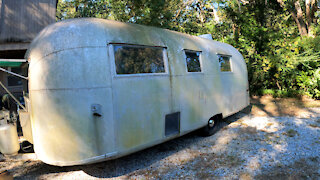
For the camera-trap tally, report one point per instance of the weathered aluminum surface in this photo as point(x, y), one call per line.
point(72, 68)
point(24, 118)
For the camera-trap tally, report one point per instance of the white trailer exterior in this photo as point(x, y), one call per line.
point(73, 79)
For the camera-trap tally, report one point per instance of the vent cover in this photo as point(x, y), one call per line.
point(172, 126)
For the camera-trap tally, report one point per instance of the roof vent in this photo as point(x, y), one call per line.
point(206, 36)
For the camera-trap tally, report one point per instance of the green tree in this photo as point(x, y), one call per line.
point(303, 13)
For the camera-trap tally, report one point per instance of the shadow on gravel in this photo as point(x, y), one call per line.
point(120, 166)
point(128, 164)
point(308, 169)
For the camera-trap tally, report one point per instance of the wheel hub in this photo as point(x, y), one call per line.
point(211, 123)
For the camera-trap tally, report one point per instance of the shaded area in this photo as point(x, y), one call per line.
point(112, 168)
point(308, 169)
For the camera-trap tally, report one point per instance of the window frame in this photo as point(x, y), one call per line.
point(200, 61)
point(113, 60)
point(230, 60)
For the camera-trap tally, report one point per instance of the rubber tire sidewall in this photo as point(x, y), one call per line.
point(208, 131)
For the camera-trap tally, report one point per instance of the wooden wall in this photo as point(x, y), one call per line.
point(22, 20)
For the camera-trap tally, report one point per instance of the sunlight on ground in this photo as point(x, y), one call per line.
point(269, 106)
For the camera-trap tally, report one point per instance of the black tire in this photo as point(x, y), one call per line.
point(210, 128)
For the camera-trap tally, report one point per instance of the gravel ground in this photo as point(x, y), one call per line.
point(246, 147)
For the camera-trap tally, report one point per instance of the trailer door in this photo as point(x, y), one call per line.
point(141, 94)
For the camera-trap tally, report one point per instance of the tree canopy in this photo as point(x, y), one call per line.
point(279, 39)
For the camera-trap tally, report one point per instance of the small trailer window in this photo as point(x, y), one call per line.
point(224, 62)
point(193, 61)
point(134, 59)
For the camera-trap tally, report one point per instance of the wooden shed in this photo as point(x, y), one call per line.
point(20, 22)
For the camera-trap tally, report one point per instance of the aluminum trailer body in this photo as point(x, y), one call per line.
point(89, 104)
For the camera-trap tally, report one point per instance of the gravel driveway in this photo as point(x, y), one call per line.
point(246, 147)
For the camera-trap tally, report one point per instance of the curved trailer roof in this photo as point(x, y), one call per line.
point(93, 32)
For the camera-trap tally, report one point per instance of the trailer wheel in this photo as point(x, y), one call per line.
point(26, 147)
point(214, 124)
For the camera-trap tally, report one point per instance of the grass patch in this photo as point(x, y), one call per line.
point(276, 93)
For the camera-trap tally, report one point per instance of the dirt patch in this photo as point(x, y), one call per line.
point(269, 106)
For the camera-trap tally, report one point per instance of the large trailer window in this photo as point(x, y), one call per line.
point(224, 62)
point(133, 59)
point(193, 61)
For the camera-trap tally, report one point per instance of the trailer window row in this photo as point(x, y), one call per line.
point(139, 59)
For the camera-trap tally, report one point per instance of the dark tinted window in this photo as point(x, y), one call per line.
point(224, 62)
point(193, 61)
point(130, 59)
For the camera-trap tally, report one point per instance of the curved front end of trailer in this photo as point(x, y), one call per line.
point(70, 95)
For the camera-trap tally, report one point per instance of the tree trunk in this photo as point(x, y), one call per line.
point(308, 12)
point(311, 8)
point(299, 19)
point(314, 9)
point(303, 20)
point(235, 30)
point(301, 25)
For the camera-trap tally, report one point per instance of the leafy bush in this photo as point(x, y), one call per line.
point(289, 68)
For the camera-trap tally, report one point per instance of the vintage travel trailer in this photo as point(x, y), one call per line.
point(101, 89)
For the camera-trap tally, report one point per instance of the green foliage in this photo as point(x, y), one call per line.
point(280, 61)
point(67, 9)
point(193, 17)
point(279, 93)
